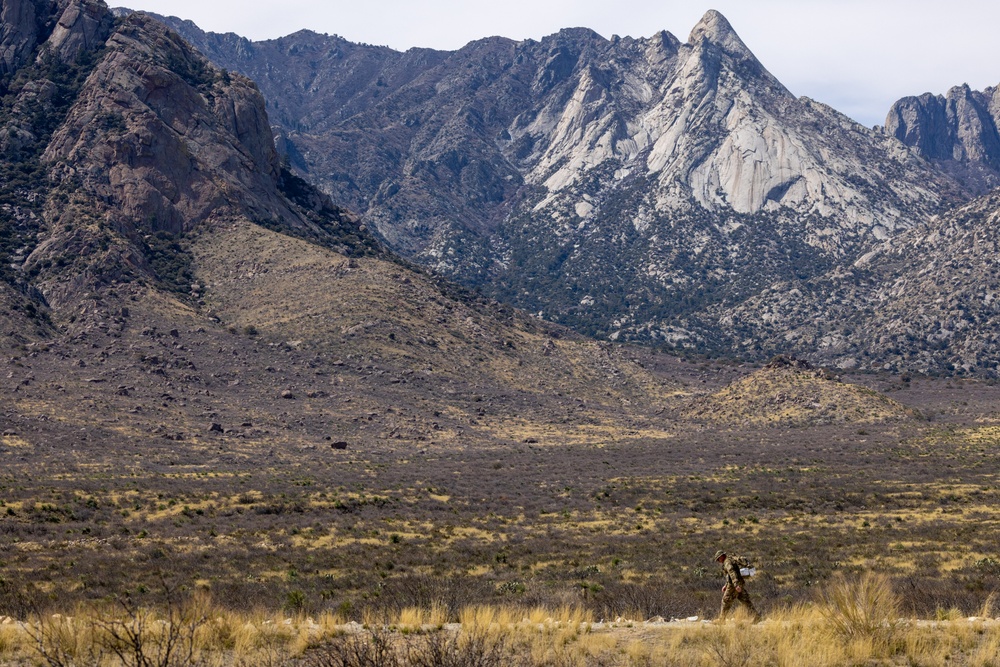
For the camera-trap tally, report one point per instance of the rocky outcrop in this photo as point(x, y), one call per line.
point(73, 28)
point(166, 138)
point(82, 26)
point(63, 28)
point(19, 33)
point(958, 131)
point(135, 140)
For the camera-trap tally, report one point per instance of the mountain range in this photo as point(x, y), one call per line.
point(648, 190)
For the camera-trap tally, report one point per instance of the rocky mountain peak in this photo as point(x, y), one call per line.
point(578, 34)
point(959, 131)
point(65, 28)
point(132, 139)
point(715, 28)
point(663, 43)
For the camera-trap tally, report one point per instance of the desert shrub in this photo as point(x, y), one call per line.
point(17, 601)
point(643, 600)
point(139, 637)
point(170, 260)
point(452, 593)
point(467, 649)
point(364, 649)
point(862, 608)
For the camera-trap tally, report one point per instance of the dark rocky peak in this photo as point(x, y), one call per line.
point(958, 131)
point(312, 79)
point(922, 122)
point(307, 44)
point(207, 43)
point(664, 43)
point(155, 142)
point(976, 126)
point(481, 55)
point(580, 36)
point(174, 114)
point(575, 43)
point(64, 29)
point(560, 55)
point(303, 36)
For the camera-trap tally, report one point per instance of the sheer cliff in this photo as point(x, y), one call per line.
point(958, 132)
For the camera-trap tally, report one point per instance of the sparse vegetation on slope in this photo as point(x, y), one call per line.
point(925, 302)
point(790, 393)
point(364, 308)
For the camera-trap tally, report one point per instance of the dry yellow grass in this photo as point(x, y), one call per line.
point(812, 635)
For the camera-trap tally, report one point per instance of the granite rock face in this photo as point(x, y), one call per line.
point(162, 136)
point(82, 26)
point(65, 28)
point(958, 131)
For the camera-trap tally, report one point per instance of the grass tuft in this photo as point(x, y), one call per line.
point(863, 609)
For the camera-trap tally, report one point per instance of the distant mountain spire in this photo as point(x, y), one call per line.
point(715, 28)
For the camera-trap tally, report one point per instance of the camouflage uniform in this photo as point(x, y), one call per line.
point(734, 581)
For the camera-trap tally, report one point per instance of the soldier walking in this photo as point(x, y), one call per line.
point(735, 589)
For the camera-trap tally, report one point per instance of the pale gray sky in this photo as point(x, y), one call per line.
point(858, 56)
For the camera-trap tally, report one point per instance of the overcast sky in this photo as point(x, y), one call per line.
point(859, 56)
